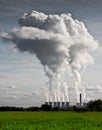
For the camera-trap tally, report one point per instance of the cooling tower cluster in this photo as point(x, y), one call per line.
point(58, 98)
point(64, 105)
point(60, 105)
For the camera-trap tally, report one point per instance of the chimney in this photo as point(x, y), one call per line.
point(80, 99)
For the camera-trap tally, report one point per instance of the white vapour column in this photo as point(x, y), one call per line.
point(84, 95)
point(58, 41)
point(64, 92)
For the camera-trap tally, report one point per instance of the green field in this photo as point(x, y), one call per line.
point(50, 121)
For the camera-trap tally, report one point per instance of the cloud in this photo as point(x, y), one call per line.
point(59, 42)
point(94, 88)
point(51, 29)
point(6, 75)
point(11, 87)
point(6, 36)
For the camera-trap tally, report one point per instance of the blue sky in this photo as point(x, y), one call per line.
point(23, 71)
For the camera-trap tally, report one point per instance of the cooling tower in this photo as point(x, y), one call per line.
point(63, 105)
point(55, 104)
point(47, 103)
point(58, 104)
point(50, 103)
point(67, 105)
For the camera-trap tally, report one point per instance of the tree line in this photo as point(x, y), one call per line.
point(91, 106)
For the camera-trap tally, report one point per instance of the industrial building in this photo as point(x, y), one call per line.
point(60, 105)
point(65, 105)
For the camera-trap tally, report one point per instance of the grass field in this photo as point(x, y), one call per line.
point(50, 121)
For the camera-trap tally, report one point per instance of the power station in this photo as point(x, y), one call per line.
point(60, 105)
point(65, 105)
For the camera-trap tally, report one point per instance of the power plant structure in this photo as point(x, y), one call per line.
point(64, 105)
point(59, 105)
point(80, 99)
point(81, 103)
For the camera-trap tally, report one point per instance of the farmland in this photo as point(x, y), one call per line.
point(50, 121)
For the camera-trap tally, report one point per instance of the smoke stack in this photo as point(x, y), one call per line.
point(80, 99)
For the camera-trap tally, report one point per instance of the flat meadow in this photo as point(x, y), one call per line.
point(50, 120)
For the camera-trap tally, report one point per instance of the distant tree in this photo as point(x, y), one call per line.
point(56, 109)
point(46, 107)
point(11, 108)
point(33, 108)
point(95, 105)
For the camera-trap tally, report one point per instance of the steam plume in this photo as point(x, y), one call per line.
point(59, 42)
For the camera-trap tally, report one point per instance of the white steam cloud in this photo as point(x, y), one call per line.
point(60, 43)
